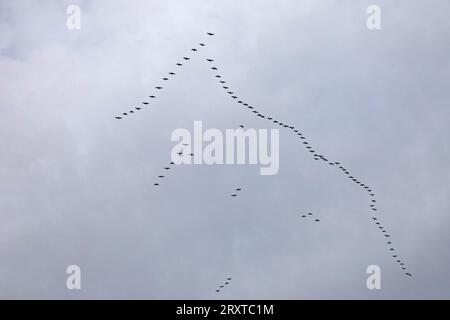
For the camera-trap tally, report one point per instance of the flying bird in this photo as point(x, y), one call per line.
point(193, 49)
point(213, 68)
point(159, 88)
point(172, 73)
point(179, 64)
point(152, 96)
point(137, 108)
point(209, 60)
point(118, 118)
point(165, 79)
point(202, 44)
point(210, 34)
point(186, 58)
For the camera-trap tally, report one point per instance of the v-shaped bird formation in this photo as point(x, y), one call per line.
point(285, 126)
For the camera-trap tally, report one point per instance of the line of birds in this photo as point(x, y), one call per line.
point(227, 282)
point(146, 103)
point(316, 156)
point(309, 214)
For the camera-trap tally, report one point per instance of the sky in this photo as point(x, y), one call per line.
point(76, 185)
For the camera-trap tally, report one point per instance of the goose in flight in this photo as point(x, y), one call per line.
point(228, 279)
point(238, 189)
point(172, 73)
point(131, 111)
point(137, 108)
point(166, 168)
point(156, 184)
point(193, 49)
point(165, 79)
point(210, 34)
point(160, 176)
point(225, 87)
point(186, 58)
point(202, 44)
point(209, 60)
point(125, 113)
point(221, 81)
point(118, 118)
point(179, 64)
point(152, 96)
point(234, 195)
point(213, 68)
point(145, 102)
point(159, 88)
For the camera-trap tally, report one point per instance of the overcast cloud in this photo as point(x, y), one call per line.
point(76, 185)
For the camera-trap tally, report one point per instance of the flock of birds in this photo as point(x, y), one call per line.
point(170, 166)
point(310, 215)
point(301, 138)
point(227, 282)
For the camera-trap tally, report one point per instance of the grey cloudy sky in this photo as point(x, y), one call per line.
point(76, 185)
